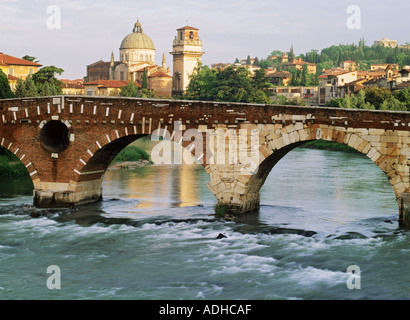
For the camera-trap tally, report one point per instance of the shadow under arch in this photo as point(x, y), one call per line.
point(102, 158)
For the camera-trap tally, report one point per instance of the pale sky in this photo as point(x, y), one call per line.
point(91, 30)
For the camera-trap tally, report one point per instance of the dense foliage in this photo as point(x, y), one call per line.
point(375, 98)
point(132, 90)
point(335, 54)
point(132, 153)
point(10, 165)
point(233, 84)
point(5, 91)
point(42, 83)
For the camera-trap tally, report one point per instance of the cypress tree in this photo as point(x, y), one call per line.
point(5, 91)
point(144, 84)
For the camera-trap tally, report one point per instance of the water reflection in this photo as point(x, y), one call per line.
point(156, 189)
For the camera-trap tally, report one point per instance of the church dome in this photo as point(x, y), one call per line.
point(137, 39)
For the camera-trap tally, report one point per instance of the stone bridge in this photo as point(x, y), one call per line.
point(68, 142)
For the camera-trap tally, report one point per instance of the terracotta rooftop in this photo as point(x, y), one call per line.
point(10, 77)
point(187, 28)
point(109, 83)
point(77, 84)
point(159, 74)
point(279, 74)
point(5, 59)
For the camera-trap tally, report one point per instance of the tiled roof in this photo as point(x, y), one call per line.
point(75, 84)
point(10, 77)
point(5, 59)
point(403, 85)
point(159, 74)
point(187, 28)
point(146, 67)
point(279, 74)
point(109, 83)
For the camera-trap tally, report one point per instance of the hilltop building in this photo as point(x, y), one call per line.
point(385, 42)
point(298, 64)
point(348, 65)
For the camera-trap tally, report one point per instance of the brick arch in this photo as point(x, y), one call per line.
point(23, 156)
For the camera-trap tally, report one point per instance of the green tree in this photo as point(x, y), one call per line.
point(376, 96)
point(393, 104)
point(303, 80)
point(48, 74)
point(30, 58)
point(403, 96)
point(233, 85)
point(5, 90)
point(20, 91)
point(260, 85)
point(202, 83)
point(361, 102)
point(31, 90)
point(248, 60)
point(130, 90)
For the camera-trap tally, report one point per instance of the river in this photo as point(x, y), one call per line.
point(154, 237)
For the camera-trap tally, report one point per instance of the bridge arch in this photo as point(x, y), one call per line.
point(20, 152)
point(242, 194)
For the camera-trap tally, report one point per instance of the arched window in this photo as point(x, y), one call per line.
point(141, 57)
point(191, 35)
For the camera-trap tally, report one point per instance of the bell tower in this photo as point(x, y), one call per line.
point(187, 52)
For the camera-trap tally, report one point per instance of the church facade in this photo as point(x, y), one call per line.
point(137, 57)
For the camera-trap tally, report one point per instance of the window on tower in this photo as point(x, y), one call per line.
point(191, 35)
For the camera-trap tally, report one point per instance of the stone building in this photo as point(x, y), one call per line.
point(16, 68)
point(137, 55)
point(385, 42)
point(187, 52)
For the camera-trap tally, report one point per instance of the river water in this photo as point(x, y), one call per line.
point(154, 237)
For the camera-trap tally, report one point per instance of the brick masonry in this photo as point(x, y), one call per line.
point(100, 127)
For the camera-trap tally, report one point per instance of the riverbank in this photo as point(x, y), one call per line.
point(10, 166)
point(328, 145)
point(129, 164)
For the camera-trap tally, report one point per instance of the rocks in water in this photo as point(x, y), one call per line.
point(351, 235)
point(33, 211)
point(221, 236)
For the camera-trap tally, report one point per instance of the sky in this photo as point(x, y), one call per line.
point(72, 34)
